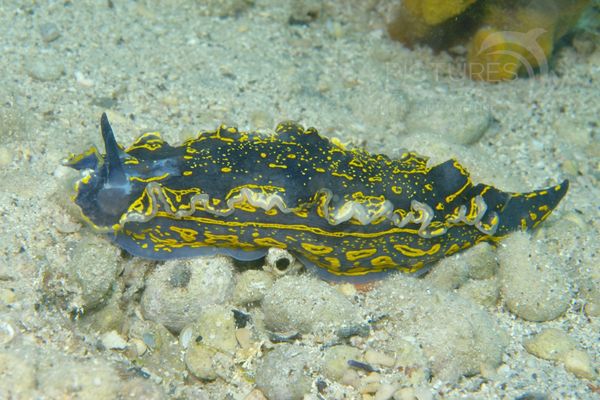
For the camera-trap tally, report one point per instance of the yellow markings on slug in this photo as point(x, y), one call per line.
point(416, 252)
point(188, 235)
point(273, 165)
point(272, 211)
point(150, 179)
point(342, 175)
point(454, 195)
point(270, 242)
point(383, 262)
point(452, 249)
point(187, 173)
point(315, 249)
point(354, 255)
point(225, 169)
point(397, 189)
point(333, 262)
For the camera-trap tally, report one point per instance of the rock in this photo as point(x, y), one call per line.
point(457, 336)
point(485, 292)
point(178, 290)
point(533, 284)
point(453, 120)
point(307, 305)
point(7, 332)
point(17, 374)
point(86, 278)
point(550, 344)
point(556, 345)
point(251, 286)
point(210, 352)
point(285, 372)
point(158, 349)
point(49, 32)
point(335, 361)
point(46, 69)
point(112, 340)
point(199, 361)
point(578, 362)
point(215, 328)
point(60, 377)
point(380, 359)
point(410, 359)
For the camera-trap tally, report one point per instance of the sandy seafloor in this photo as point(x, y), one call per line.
point(180, 66)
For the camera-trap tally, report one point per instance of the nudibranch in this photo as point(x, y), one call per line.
point(346, 212)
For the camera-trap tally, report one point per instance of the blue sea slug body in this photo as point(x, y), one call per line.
point(346, 212)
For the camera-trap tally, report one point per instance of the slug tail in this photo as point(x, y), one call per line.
point(524, 211)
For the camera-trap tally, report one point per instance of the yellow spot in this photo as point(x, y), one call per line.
point(375, 179)
point(354, 255)
point(316, 249)
point(397, 189)
point(319, 169)
point(263, 155)
point(291, 156)
point(225, 169)
point(187, 173)
point(533, 216)
point(272, 165)
point(272, 211)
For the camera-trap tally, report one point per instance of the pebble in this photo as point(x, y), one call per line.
point(49, 32)
point(112, 340)
point(251, 286)
point(410, 359)
point(215, 327)
point(578, 362)
point(307, 305)
point(18, 373)
point(453, 120)
point(7, 332)
point(378, 358)
point(550, 344)
point(385, 391)
point(285, 372)
point(485, 292)
point(457, 337)
point(555, 345)
point(46, 69)
point(178, 290)
point(335, 361)
point(533, 284)
point(59, 376)
point(89, 273)
point(199, 361)
point(213, 342)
